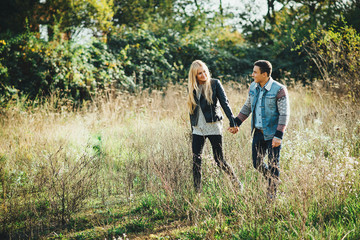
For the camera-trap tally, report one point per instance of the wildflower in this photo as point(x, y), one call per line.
point(318, 121)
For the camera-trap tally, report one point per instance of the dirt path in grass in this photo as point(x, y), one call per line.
point(171, 231)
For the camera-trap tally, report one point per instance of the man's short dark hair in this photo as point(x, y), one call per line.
point(265, 66)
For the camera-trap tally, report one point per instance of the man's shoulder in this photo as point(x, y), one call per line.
point(279, 89)
point(253, 84)
point(278, 84)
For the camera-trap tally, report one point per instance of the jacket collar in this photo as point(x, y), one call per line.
point(267, 85)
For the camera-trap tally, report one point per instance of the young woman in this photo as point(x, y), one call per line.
point(206, 95)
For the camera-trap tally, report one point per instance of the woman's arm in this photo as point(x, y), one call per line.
point(224, 102)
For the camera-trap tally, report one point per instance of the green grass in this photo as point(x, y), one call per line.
point(121, 167)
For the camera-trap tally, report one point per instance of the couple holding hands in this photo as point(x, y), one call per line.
point(267, 102)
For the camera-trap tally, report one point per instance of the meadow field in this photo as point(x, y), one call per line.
point(120, 167)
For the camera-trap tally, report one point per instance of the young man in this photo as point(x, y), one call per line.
point(268, 101)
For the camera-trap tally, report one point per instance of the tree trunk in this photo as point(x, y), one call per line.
point(271, 13)
point(221, 13)
point(196, 4)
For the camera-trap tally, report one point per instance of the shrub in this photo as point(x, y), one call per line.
point(49, 194)
point(32, 67)
point(68, 182)
point(130, 59)
point(146, 57)
point(22, 65)
point(336, 54)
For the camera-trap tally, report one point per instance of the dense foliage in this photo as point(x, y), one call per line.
point(130, 59)
point(336, 54)
point(142, 44)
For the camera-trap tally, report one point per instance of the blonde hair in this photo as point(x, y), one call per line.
point(194, 85)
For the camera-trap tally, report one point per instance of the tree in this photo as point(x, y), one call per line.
point(64, 16)
point(352, 13)
point(135, 12)
point(336, 54)
point(282, 29)
point(14, 15)
point(69, 16)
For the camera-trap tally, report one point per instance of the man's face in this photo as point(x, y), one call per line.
point(259, 77)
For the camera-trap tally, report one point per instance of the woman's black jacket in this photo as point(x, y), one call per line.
point(212, 111)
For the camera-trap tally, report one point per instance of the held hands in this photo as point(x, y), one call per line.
point(276, 142)
point(233, 130)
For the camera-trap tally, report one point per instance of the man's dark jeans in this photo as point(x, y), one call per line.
point(198, 143)
point(260, 148)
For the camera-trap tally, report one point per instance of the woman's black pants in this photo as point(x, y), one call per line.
point(198, 143)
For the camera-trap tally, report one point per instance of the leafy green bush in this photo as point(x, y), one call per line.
point(130, 59)
point(336, 54)
point(146, 57)
point(22, 65)
point(154, 60)
point(81, 70)
point(37, 68)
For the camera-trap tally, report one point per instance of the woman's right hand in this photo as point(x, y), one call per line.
point(233, 130)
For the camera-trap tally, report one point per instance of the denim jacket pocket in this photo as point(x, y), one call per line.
point(252, 94)
point(270, 101)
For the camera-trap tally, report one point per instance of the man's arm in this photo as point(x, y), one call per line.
point(283, 105)
point(244, 112)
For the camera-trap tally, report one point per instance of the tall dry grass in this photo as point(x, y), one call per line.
point(133, 151)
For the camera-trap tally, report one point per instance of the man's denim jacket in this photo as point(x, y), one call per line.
point(275, 109)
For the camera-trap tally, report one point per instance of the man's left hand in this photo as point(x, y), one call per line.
point(233, 130)
point(276, 142)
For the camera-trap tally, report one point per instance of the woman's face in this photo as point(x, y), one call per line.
point(201, 75)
